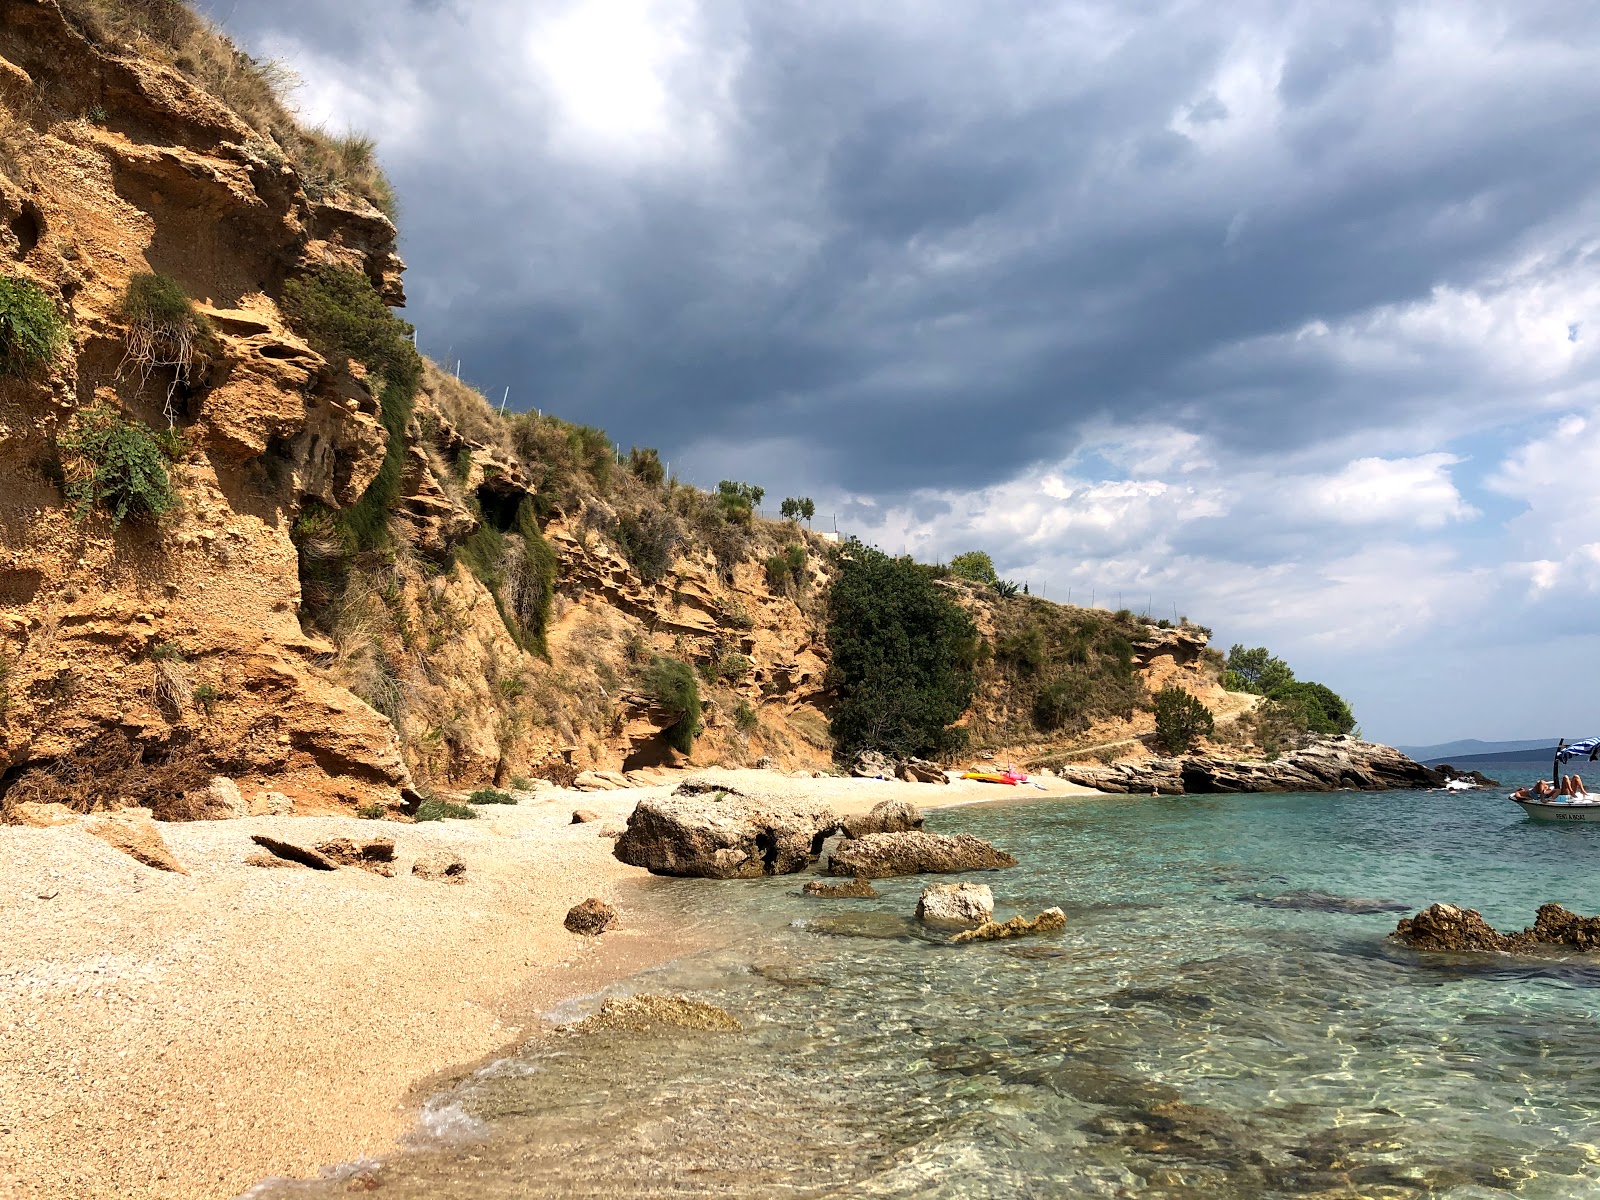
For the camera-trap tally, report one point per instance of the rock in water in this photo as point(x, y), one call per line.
point(1446, 927)
point(879, 855)
point(725, 834)
point(591, 918)
point(1555, 926)
point(855, 889)
point(647, 1011)
point(442, 867)
point(138, 838)
point(887, 816)
point(1049, 921)
point(965, 904)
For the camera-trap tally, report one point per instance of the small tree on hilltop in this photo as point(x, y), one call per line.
point(974, 565)
point(1181, 720)
point(1257, 671)
point(808, 509)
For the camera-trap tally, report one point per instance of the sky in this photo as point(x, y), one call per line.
point(1281, 316)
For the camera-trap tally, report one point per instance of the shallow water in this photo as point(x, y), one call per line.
point(1223, 1018)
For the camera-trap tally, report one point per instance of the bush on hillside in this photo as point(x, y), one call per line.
point(1326, 712)
point(974, 565)
point(645, 464)
point(902, 657)
point(164, 330)
point(1257, 671)
point(647, 540)
point(514, 561)
point(798, 508)
point(116, 464)
point(738, 501)
point(31, 330)
point(672, 685)
point(1181, 720)
point(787, 571)
point(341, 315)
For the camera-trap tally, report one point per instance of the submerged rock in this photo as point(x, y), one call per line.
point(1050, 920)
point(1311, 900)
point(887, 816)
point(966, 904)
point(879, 855)
point(647, 1011)
point(591, 918)
point(724, 833)
point(1446, 927)
point(854, 889)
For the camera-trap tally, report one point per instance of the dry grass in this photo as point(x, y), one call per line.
point(112, 771)
point(169, 31)
point(465, 408)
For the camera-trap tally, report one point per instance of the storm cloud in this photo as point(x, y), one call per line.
point(1277, 314)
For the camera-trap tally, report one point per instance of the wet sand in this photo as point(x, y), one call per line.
point(185, 1036)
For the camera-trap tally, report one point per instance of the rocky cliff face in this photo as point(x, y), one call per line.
point(185, 642)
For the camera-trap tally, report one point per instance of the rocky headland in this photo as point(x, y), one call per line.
point(1328, 765)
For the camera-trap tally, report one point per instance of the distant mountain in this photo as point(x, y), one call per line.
point(1468, 761)
point(1472, 746)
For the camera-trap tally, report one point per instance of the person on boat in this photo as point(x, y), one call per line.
point(1572, 785)
point(1543, 790)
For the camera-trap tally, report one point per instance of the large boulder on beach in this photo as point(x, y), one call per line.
point(963, 904)
point(872, 764)
point(887, 816)
point(920, 770)
point(725, 834)
point(879, 855)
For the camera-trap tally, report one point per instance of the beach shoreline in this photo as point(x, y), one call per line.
point(187, 1036)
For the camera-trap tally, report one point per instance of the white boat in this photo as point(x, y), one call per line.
point(1558, 807)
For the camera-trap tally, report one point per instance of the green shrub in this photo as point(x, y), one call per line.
point(206, 696)
point(116, 464)
point(798, 508)
point(647, 540)
point(1326, 712)
point(375, 811)
point(1181, 720)
point(974, 565)
point(1066, 703)
point(439, 810)
point(671, 684)
point(1006, 589)
point(31, 330)
point(341, 315)
point(491, 795)
point(164, 330)
point(745, 718)
point(1255, 671)
point(903, 654)
point(645, 464)
point(519, 568)
point(738, 501)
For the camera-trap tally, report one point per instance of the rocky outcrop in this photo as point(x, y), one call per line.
point(1448, 928)
point(873, 764)
point(725, 834)
point(920, 770)
point(1331, 764)
point(591, 918)
point(881, 855)
point(854, 889)
point(1051, 920)
point(290, 852)
point(887, 816)
point(374, 854)
point(960, 904)
point(135, 834)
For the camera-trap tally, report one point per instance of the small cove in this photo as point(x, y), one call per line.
point(1222, 1018)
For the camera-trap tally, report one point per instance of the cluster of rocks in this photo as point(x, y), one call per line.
point(374, 854)
point(1328, 765)
point(710, 830)
point(873, 764)
point(1446, 927)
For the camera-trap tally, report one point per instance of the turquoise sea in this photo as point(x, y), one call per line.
point(1223, 1018)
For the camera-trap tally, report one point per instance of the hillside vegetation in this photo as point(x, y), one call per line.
point(248, 531)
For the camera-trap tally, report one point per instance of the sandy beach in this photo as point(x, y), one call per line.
point(184, 1036)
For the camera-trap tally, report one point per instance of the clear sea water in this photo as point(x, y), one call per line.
point(1211, 1024)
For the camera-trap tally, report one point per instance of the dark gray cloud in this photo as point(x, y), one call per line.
point(924, 259)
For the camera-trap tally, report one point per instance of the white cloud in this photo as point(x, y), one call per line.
point(1415, 492)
